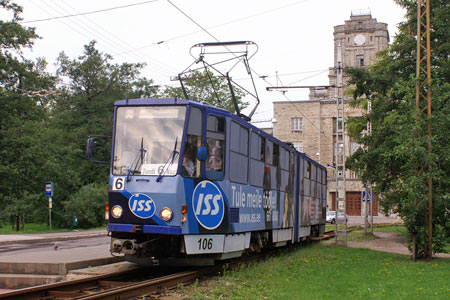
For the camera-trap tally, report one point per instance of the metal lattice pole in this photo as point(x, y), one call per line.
point(340, 199)
point(423, 105)
point(369, 191)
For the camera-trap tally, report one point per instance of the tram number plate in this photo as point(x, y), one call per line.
point(210, 243)
point(118, 184)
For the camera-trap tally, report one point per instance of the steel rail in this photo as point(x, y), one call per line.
point(44, 290)
point(146, 287)
point(77, 289)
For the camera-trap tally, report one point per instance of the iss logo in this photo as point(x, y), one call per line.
point(142, 206)
point(208, 205)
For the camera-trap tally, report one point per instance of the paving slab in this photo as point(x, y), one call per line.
point(57, 262)
point(35, 267)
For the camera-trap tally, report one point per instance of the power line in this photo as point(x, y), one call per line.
point(217, 26)
point(216, 39)
point(308, 77)
point(87, 29)
point(141, 56)
point(89, 12)
point(193, 21)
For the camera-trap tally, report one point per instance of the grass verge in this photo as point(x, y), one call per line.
point(327, 272)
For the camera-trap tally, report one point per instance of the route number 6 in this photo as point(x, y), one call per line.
point(118, 184)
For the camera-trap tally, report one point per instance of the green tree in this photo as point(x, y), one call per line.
point(395, 150)
point(215, 92)
point(86, 107)
point(25, 98)
point(87, 205)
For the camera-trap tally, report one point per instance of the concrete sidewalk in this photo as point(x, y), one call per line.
point(6, 239)
point(45, 265)
point(354, 220)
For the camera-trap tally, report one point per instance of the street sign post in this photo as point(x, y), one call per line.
point(49, 194)
point(366, 197)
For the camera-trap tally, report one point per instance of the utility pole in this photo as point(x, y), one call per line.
point(369, 192)
point(423, 105)
point(340, 236)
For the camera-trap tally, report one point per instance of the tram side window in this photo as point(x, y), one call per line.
point(215, 145)
point(307, 178)
point(284, 165)
point(270, 163)
point(276, 155)
point(238, 161)
point(308, 169)
point(257, 167)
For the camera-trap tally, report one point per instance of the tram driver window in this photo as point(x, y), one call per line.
point(190, 165)
point(215, 146)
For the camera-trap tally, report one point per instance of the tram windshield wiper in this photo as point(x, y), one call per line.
point(137, 162)
point(172, 157)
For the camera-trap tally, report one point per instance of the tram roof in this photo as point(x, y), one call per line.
point(158, 101)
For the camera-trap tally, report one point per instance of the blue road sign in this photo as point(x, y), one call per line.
point(49, 189)
point(366, 196)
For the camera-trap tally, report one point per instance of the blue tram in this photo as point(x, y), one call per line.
point(192, 184)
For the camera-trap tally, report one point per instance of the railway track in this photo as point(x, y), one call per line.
point(109, 286)
point(118, 285)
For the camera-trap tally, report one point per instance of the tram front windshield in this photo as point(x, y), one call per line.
point(148, 140)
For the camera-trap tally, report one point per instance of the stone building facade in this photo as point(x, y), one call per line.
point(310, 124)
point(360, 38)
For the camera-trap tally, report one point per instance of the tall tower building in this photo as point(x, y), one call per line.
point(310, 125)
point(361, 38)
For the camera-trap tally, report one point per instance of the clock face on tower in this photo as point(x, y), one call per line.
point(359, 39)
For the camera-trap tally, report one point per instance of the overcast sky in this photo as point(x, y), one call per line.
point(295, 38)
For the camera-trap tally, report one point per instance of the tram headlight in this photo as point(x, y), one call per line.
point(166, 214)
point(117, 211)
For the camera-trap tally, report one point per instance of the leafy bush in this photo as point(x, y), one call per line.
point(88, 205)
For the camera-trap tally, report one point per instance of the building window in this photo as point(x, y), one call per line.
point(296, 124)
point(298, 146)
point(354, 146)
point(335, 124)
point(360, 61)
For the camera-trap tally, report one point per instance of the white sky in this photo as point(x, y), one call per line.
point(294, 37)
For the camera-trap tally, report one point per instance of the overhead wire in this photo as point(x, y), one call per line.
point(163, 70)
point(261, 77)
point(320, 73)
point(141, 55)
point(157, 62)
point(87, 13)
point(220, 25)
point(108, 44)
